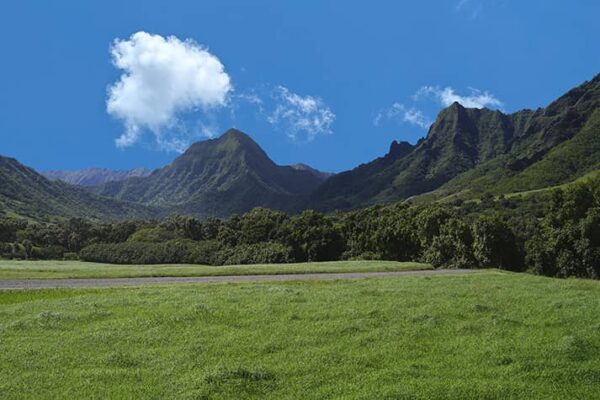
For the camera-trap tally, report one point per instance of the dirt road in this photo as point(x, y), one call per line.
point(113, 282)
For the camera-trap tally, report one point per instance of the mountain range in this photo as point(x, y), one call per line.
point(466, 152)
point(26, 193)
point(94, 176)
point(472, 150)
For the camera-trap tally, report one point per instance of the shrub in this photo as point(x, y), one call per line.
point(152, 235)
point(312, 236)
point(452, 248)
point(18, 251)
point(203, 252)
point(367, 255)
point(6, 250)
point(495, 245)
point(70, 256)
point(257, 253)
point(48, 253)
point(136, 253)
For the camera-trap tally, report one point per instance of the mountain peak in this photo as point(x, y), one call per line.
point(222, 176)
point(231, 140)
point(454, 110)
point(234, 133)
point(400, 149)
point(237, 136)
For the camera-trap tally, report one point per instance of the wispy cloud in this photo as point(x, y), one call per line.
point(164, 78)
point(209, 130)
point(248, 101)
point(399, 111)
point(446, 96)
point(300, 117)
point(460, 4)
point(413, 114)
point(471, 8)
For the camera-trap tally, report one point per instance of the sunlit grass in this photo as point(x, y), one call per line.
point(491, 335)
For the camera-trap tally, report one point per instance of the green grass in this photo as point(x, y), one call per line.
point(11, 269)
point(490, 335)
point(582, 179)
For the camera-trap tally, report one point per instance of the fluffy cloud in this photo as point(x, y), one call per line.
point(447, 96)
point(162, 79)
point(301, 117)
point(400, 111)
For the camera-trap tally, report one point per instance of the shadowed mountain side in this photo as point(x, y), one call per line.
point(25, 193)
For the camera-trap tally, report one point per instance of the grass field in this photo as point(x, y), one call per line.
point(595, 174)
point(10, 269)
point(491, 335)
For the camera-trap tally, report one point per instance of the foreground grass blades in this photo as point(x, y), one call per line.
point(14, 269)
point(491, 335)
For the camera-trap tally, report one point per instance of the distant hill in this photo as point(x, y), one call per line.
point(351, 189)
point(319, 174)
point(223, 176)
point(26, 193)
point(94, 176)
point(478, 150)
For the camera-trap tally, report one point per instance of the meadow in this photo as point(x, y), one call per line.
point(492, 335)
point(49, 269)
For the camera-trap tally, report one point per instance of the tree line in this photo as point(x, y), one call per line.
point(556, 235)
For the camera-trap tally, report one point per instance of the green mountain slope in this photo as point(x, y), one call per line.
point(559, 144)
point(564, 163)
point(479, 150)
point(231, 174)
point(360, 185)
point(459, 139)
point(25, 193)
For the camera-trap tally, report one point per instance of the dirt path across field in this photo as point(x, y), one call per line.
point(113, 282)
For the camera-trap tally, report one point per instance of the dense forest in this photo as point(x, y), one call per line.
point(554, 233)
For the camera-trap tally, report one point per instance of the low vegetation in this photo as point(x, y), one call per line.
point(492, 335)
point(557, 235)
point(12, 269)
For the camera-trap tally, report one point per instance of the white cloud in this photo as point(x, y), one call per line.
point(447, 96)
point(406, 114)
point(164, 78)
point(301, 117)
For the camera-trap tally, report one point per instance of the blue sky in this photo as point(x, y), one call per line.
point(327, 83)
